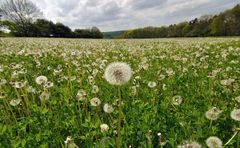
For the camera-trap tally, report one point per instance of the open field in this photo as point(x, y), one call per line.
point(182, 91)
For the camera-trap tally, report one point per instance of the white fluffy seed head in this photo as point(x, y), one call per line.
point(235, 114)
point(190, 144)
point(237, 99)
point(108, 108)
point(214, 142)
point(95, 101)
point(41, 80)
point(177, 100)
point(152, 84)
point(118, 73)
point(15, 102)
point(104, 128)
point(213, 113)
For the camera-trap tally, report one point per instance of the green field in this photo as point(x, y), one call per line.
point(182, 91)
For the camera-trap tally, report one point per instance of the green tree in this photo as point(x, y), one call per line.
point(22, 13)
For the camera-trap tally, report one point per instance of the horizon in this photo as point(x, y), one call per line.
point(112, 15)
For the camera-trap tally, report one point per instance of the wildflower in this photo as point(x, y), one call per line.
point(41, 80)
point(164, 87)
point(2, 95)
point(235, 114)
point(104, 128)
point(3, 81)
point(177, 100)
point(95, 89)
point(44, 96)
point(133, 90)
point(19, 84)
point(152, 84)
point(108, 108)
point(15, 102)
point(30, 89)
point(81, 95)
point(95, 71)
point(118, 73)
point(1, 68)
point(214, 142)
point(48, 85)
point(95, 102)
point(192, 144)
point(170, 72)
point(161, 77)
point(70, 142)
point(238, 99)
point(227, 82)
point(213, 113)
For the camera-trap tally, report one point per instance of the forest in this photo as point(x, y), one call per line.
point(225, 24)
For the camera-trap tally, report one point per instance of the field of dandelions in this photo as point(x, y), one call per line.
point(182, 93)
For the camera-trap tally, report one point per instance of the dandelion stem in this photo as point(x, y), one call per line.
point(210, 126)
point(231, 138)
point(119, 118)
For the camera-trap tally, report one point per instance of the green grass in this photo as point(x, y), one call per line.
point(186, 63)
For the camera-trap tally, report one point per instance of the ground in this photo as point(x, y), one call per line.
point(181, 91)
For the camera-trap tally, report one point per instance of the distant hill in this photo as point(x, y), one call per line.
point(113, 34)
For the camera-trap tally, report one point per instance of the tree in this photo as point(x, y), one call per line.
point(96, 33)
point(61, 30)
point(45, 28)
point(21, 12)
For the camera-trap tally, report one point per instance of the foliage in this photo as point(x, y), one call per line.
point(22, 13)
point(224, 24)
point(27, 21)
point(94, 32)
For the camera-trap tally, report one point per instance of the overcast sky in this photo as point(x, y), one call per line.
point(110, 15)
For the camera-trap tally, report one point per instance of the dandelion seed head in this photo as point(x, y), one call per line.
point(95, 89)
point(227, 82)
point(118, 73)
point(81, 95)
point(104, 128)
point(15, 102)
point(3, 81)
point(44, 96)
point(48, 85)
point(108, 108)
point(2, 94)
point(41, 80)
point(237, 99)
point(177, 100)
point(152, 84)
point(191, 144)
point(213, 113)
point(95, 101)
point(19, 84)
point(214, 142)
point(30, 89)
point(235, 114)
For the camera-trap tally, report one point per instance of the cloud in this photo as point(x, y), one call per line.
point(127, 14)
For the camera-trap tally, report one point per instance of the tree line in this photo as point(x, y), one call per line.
point(225, 24)
point(24, 19)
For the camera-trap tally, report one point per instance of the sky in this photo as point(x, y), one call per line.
point(111, 15)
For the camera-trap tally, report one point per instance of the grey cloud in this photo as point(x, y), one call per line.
point(125, 14)
point(146, 4)
point(198, 10)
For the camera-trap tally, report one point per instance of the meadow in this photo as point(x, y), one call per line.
point(182, 93)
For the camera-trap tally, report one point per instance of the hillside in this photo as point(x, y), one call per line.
point(113, 34)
